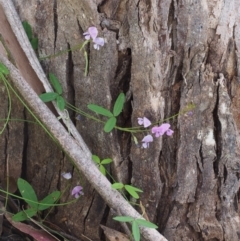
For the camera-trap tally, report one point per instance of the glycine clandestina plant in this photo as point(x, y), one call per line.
point(51, 96)
point(135, 225)
point(30, 197)
point(157, 130)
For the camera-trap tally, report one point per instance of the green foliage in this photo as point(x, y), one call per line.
point(24, 215)
point(100, 110)
point(28, 29)
point(123, 219)
point(3, 69)
point(118, 106)
point(55, 83)
point(130, 189)
point(135, 225)
point(27, 193)
point(135, 231)
point(30, 198)
point(49, 200)
point(100, 163)
point(60, 102)
point(117, 185)
point(51, 96)
point(111, 122)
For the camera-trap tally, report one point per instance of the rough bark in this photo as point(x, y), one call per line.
point(164, 55)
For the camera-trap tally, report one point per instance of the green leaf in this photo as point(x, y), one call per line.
point(106, 161)
point(123, 219)
point(49, 200)
point(27, 193)
point(134, 188)
point(50, 96)
point(118, 106)
point(102, 170)
point(3, 69)
point(99, 110)
point(132, 191)
point(55, 83)
point(96, 159)
point(60, 102)
point(146, 223)
point(28, 29)
point(135, 231)
point(34, 43)
point(24, 215)
point(110, 124)
point(117, 185)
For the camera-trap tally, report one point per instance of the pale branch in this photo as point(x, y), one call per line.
point(74, 146)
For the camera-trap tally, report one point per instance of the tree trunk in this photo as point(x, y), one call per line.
point(165, 56)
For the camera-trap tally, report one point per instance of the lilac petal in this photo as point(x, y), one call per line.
point(77, 195)
point(95, 46)
point(160, 130)
point(87, 35)
point(146, 122)
point(145, 144)
point(93, 32)
point(156, 130)
point(99, 41)
point(76, 190)
point(140, 121)
point(147, 138)
point(164, 127)
point(67, 175)
point(169, 132)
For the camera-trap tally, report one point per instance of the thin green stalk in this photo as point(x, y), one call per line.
point(76, 47)
point(24, 199)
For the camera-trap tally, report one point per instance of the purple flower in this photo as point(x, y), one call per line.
point(162, 129)
point(144, 121)
point(91, 33)
point(67, 175)
point(98, 42)
point(77, 191)
point(146, 140)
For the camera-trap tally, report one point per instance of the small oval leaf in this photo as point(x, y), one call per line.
point(123, 219)
point(96, 159)
point(28, 29)
point(146, 223)
point(106, 161)
point(118, 106)
point(117, 185)
point(60, 102)
point(49, 200)
point(27, 193)
point(99, 110)
point(134, 188)
point(50, 96)
point(34, 43)
point(135, 231)
point(24, 215)
point(131, 191)
point(110, 124)
point(102, 170)
point(55, 83)
point(3, 69)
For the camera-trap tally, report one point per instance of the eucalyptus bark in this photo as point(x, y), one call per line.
point(164, 55)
